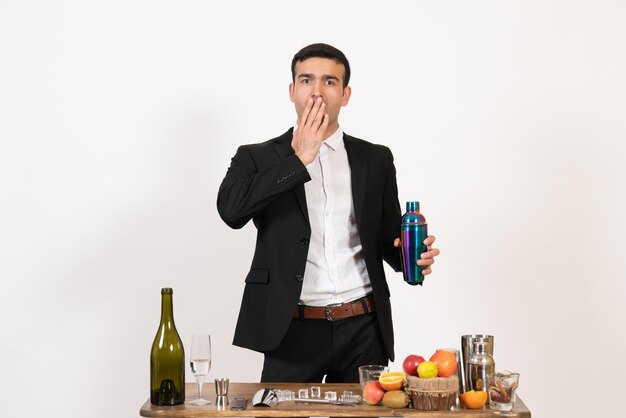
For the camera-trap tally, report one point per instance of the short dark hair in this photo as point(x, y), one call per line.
point(321, 51)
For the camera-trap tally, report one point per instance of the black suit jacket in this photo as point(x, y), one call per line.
point(265, 183)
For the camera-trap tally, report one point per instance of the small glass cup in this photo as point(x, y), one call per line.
point(370, 373)
point(316, 392)
point(502, 391)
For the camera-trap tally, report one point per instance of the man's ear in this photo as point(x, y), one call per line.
point(291, 92)
point(347, 92)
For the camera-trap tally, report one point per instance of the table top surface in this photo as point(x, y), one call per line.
point(302, 409)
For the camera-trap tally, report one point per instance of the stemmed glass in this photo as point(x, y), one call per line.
point(200, 363)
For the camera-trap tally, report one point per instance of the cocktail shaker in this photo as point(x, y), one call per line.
point(481, 368)
point(413, 231)
point(467, 346)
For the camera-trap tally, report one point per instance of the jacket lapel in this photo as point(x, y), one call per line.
point(284, 150)
point(357, 158)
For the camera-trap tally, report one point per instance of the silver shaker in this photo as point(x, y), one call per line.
point(467, 347)
point(481, 368)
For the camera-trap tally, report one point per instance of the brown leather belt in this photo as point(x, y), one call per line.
point(339, 311)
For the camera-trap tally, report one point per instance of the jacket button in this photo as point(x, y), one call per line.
point(299, 277)
point(304, 241)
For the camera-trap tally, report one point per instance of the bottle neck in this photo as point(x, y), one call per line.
point(167, 312)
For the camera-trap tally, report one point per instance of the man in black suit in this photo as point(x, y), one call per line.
point(325, 205)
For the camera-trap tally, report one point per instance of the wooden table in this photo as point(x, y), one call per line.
point(300, 409)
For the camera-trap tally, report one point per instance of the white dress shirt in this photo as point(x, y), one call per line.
point(335, 270)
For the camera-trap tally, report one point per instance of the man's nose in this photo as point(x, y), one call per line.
point(317, 90)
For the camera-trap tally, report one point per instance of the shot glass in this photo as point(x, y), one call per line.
point(502, 391)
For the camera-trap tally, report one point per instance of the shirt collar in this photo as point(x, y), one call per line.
point(335, 141)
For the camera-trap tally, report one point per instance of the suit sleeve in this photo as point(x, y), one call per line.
point(246, 190)
point(392, 216)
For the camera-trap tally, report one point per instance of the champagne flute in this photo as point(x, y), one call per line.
point(200, 363)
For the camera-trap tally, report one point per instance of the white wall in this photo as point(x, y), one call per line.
point(118, 120)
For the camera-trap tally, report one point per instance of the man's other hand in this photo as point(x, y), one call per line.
point(428, 257)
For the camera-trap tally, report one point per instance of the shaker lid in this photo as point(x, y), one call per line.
point(412, 206)
point(479, 347)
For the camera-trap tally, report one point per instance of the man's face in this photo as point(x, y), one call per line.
point(319, 77)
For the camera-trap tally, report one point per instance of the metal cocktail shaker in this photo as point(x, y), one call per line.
point(481, 368)
point(467, 347)
point(413, 231)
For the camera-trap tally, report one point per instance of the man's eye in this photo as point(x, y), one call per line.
point(305, 81)
point(330, 82)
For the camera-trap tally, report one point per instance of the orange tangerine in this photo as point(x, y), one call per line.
point(473, 399)
point(391, 380)
point(445, 361)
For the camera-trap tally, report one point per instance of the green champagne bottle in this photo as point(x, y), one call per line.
point(167, 360)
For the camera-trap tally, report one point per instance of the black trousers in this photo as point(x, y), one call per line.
point(314, 348)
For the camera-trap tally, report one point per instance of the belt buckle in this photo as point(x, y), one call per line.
point(327, 311)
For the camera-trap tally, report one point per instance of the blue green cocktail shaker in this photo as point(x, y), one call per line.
point(413, 232)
